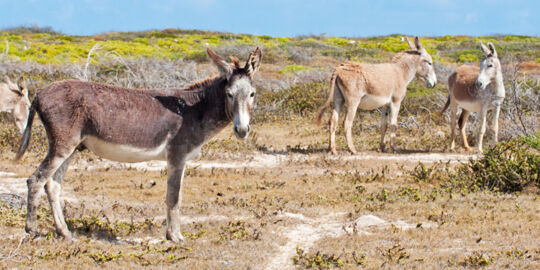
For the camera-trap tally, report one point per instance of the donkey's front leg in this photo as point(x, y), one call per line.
point(175, 175)
point(482, 129)
point(495, 124)
point(394, 111)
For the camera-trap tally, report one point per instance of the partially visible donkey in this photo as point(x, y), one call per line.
point(133, 125)
point(14, 100)
point(476, 90)
point(372, 86)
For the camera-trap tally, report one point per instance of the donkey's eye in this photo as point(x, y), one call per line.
point(229, 95)
point(252, 94)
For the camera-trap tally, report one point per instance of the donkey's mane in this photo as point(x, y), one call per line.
point(404, 54)
point(201, 84)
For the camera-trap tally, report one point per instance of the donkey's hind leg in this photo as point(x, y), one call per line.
point(352, 107)
point(54, 188)
point(462, 123)
point(453, 112)
point(384, 127)
point(338, 105)
point(35, 183)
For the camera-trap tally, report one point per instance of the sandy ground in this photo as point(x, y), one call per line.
point(298, 230)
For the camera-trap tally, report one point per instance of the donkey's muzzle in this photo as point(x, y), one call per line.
point(241, 132)
point(479, 84)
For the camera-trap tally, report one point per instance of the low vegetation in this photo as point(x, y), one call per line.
point(246, 201)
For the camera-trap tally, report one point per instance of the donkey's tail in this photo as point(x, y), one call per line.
point(446, 105)
point(25, 139)
point(330, 98)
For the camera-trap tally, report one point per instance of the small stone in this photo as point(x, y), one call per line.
point(150, 184)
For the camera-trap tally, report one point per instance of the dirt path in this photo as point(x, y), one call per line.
point(309, 230)
point(261, 160)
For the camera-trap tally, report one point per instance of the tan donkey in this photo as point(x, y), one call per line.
point(476, 90)
point(14, 99)
point(371, 86)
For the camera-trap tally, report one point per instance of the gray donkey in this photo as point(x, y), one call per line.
point(132, 125)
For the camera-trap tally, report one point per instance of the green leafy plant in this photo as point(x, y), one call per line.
point(508, 167)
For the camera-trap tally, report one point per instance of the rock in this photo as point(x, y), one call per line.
point(368, 220)
point(150, 184)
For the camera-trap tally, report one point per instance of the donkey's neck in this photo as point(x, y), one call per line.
point(202, 107)
point(208, 104)
point(407, 64)
point(498, 85)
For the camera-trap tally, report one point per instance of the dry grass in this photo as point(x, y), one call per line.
point(301, 206)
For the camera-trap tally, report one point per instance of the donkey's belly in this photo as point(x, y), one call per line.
point(125, 153)
point(370, 102)
point(471, 106)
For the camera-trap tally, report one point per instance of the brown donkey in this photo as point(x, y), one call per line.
point(14, 99)
point(131, 125)
point(371, 86)
point(476, 90)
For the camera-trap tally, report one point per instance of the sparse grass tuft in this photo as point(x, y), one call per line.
point(95, 226)
point(476, 260)
point(322, 260)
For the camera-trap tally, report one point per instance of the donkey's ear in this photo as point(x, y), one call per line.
point(22, 86)
point(11, 85)
point(254, 62)
point(224, 68)
point(418, 44)
point(487, 52)
point(492, 49)
point(411, 45)
point(235, 62)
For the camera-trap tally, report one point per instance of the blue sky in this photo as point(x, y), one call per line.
point(281, 17)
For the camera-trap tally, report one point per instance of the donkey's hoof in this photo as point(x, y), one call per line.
point(176, 237)
point(333, 152)
point(32, 231)
point(66, 235)
point(353, 151)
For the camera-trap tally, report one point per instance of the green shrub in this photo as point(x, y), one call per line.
point(508, 167)
point(302, 99)
point(532, 141)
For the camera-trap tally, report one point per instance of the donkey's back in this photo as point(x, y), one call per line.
point(117, 123)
